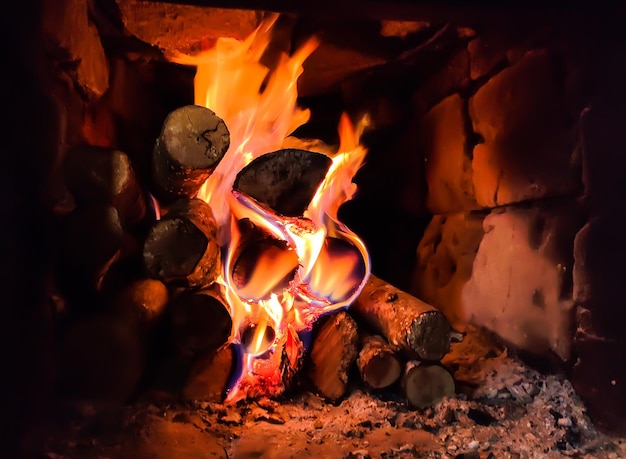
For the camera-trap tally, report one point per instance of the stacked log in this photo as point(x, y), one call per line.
point(402, 339)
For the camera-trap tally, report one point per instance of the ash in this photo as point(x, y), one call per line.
point(503, 409)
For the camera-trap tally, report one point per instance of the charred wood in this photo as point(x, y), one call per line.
point(192, 143)
point(378, 363)
point(181, 248)
point(426, 384)
point(284, 180)
point(406, 322)
point(333, 353)
point(209, 375)
point(200, 321)
point(98, 174)
point(142, 303)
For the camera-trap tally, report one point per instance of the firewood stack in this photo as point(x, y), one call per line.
point(147, 313)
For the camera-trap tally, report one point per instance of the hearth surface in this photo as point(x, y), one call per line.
point(503, 409)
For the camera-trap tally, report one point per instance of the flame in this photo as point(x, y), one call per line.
point(317, 264)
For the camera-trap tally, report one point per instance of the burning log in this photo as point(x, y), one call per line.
point(209, 376)
point(333, 353)
point(263, 264)
point(192, 143)
point(181, 248)
point(378, 363)
point(406, 322)
point(426, 384)
point(98, 174)
point(284, 180)
point(201, 321)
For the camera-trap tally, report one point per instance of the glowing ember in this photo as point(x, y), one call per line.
point(317, 265)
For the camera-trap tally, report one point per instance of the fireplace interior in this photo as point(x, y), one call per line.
point(487, 204)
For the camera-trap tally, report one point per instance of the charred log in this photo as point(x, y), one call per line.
point(284, 180)
point(181, 248)
point(142, 303)
point(209, 376)
point(405, 321)
point(333, 353)
point(378, 363)
point(192, 143)
point(426, 384)
point(200, 321)
point(98, 174)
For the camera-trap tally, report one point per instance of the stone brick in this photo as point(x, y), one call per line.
point(521, 285)
point(445, 257)
point(73, 40)
point(528, 148)
point(443, 139)
point(178, 28)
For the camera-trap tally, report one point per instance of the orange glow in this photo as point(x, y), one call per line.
point(317, 265)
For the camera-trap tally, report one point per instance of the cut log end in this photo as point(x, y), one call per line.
point(209, 376)
point(425, 385)
point(429, 335)
point(378, 364)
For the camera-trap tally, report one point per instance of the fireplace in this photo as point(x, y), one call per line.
point(487, 192)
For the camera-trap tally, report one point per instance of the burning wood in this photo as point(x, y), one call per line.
point(192, 143)
point(97, 174)
point(378, 363)
point(201, 321)
point(406, 322)
point(285, 180)
point(181, 248)
point(426, 384)
point(333, 353)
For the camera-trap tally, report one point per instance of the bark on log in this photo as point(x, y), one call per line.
point(334, 351)
point(200, 321)
point(284, 180)
point(209, 376)
point(192, 143)
point(98, 174)
point(425, 384)
point(378, 363)
point(181, 248)
point(406, 322)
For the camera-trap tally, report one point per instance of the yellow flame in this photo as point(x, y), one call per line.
point(259, 107)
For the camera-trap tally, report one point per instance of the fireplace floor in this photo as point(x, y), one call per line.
point(503, 409)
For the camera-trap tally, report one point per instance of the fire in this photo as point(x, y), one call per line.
point(311, 264)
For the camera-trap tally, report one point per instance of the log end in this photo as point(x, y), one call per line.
point(429, 335)
point(382, 370)
point(426, 385)
point(209, 376)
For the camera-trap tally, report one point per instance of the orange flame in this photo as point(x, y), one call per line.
point(331, 263)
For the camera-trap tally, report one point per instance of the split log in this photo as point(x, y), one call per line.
point(181, 248)
point(425, 385)
point(209, 376)
point(378, 363)
point(98, 174)
point(333, 353)
point(406, 322)
point(193, 141)
point(200, 321)
point(101, 358)
point(284, 180)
